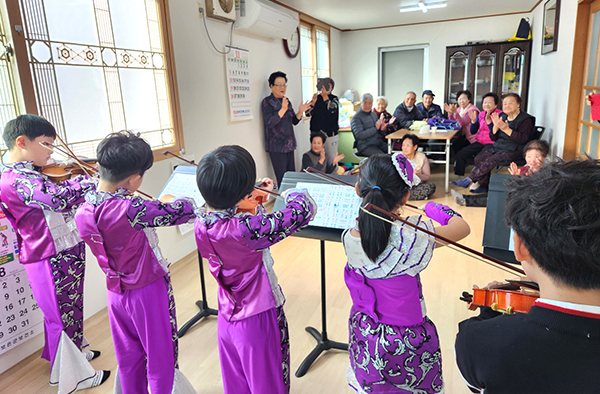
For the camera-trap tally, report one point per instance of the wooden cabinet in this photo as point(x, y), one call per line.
point(501, 67)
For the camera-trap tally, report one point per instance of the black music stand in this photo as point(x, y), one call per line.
point(202, 304)
point(290, 179)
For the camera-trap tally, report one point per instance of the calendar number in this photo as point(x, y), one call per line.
point(10, 318)
point(8, 307)
point(2, 273)
point(12, 329)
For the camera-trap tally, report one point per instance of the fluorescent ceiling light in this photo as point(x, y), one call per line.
point(423, 7)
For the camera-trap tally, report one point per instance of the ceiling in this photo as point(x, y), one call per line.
point(364, 14)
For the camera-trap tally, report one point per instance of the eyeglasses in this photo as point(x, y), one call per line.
point(280, 86)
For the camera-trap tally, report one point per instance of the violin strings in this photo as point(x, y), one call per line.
point(450, 246)
point(60, 150)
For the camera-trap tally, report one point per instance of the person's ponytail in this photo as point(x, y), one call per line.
point(374, 232)
point(380, 185)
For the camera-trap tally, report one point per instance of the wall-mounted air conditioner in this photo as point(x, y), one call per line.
point(265, 19)
point(222, 10)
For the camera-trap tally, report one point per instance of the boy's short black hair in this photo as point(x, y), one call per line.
point(30, 126)
point(225, 176)
point(123, 154)
point(556, 213)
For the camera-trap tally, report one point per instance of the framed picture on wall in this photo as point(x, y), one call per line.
point(550, 32)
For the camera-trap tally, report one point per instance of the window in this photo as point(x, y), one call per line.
point(99, 66)
point(314, 55)
point(9, 104)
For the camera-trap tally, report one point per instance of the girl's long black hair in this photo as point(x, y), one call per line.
point(377, 173)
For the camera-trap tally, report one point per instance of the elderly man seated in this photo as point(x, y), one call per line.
point(407, 112)
point(368, 128)
point(427, 109)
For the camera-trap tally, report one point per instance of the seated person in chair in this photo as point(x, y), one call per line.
point(427, 109)
point(512, 130)
point(368, 129)
point(317, 158)
point(407, 111)
point(424, 189)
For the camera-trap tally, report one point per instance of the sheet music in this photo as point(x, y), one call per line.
point(337, 205)
point(182, 183)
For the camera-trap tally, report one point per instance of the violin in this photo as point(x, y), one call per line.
point(63, 171)
point(58, 172)
point(515, 296)
point(250, 203)
point(252, 200)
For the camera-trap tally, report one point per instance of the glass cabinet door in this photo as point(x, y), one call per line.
point(458, 71)
point(512, 71)
point(485, 66)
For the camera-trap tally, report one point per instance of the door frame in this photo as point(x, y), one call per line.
point(578, 66)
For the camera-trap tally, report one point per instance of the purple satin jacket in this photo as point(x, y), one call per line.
point(120, 232)
point(236, 246)
point(41, 211)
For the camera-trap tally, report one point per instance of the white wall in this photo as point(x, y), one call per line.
point(361, 48)
point(551, 74)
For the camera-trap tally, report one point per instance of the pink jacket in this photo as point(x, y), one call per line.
point(465, 121)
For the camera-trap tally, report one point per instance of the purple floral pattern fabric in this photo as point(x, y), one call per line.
point(68, 269)
point(264, 230)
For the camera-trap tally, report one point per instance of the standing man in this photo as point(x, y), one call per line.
point(427, 109)
point(406, 112)
point(324, 112)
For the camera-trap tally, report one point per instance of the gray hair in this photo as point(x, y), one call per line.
point(366, 96)
point(378, 99)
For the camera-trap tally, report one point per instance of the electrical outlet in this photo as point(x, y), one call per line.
point(200, 9)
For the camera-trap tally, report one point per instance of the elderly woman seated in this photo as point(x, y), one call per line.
point(512, 130)
point(368, 128)
point(316, 157)
point(424, 189)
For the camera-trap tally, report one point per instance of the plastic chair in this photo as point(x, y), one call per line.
point(355, 153)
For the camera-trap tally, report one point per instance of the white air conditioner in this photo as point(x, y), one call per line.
point(265, 19)
point(222, 10)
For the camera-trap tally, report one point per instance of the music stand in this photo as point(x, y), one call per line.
point(290, 180)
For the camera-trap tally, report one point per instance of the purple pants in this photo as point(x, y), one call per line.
point(57, 285)
point(255, 354)
point(145, 337)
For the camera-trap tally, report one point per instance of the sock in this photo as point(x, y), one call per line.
point(462, 183)
point(474, 186)
point(99, 378)
point(480, 189)
point(459, 198)
point(91, 354)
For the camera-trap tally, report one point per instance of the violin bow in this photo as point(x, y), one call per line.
point(442, 240)
point(82, 164)
point(322, 175)
point(74, 157)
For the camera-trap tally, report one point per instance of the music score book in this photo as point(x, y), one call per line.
point(182, 183)
point(337, 205)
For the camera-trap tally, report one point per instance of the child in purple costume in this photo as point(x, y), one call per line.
point(393, 346)
point(50, 249)
point(119, 230)
point(252, 328)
